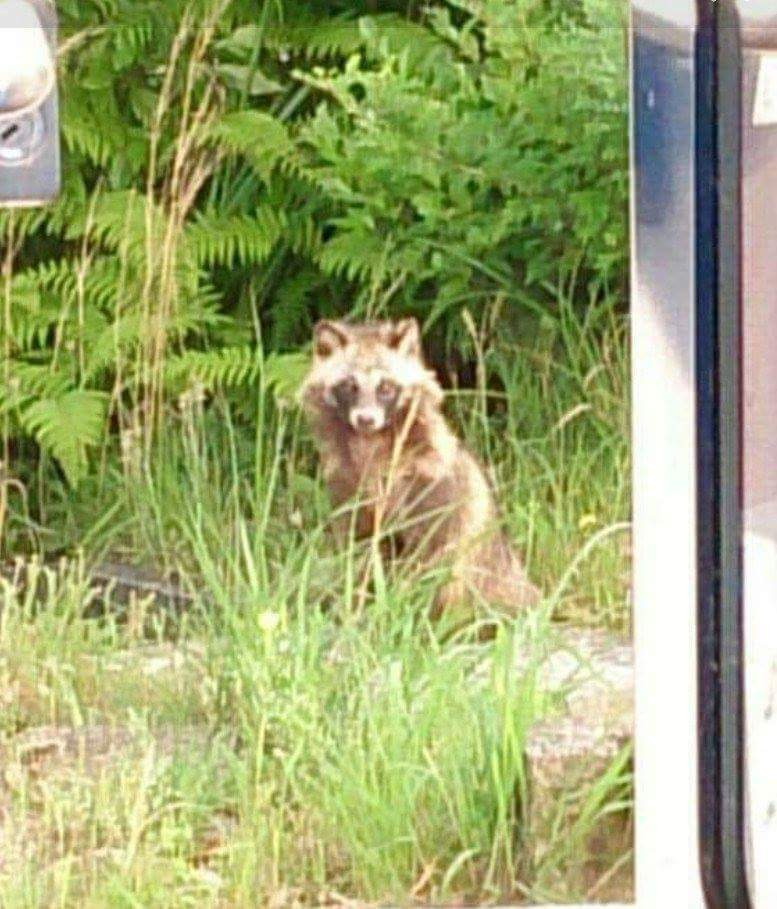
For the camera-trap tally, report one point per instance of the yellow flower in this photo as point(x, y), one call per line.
point(268, 620)
point(587, 520)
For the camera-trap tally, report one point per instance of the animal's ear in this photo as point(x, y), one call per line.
point(328, 337)
point(406, 337)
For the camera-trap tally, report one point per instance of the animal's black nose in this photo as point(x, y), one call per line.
point(365, 421)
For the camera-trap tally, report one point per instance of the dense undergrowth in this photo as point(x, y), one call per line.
point(301, 734)
point(232, 172)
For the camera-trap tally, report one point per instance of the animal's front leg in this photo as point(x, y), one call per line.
point(451, 599)
point(352, 516)
point(355, 520)
point(423, 510)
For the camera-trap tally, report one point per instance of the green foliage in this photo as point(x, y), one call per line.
point(333, 740)
point(66, 425)
point(233, 171)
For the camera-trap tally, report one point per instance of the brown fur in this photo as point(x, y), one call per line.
point(409, 472)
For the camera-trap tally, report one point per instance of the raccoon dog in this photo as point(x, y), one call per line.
point(375, 411)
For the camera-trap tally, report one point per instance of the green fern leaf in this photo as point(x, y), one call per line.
point(67, 426)
point(355, 251)
point(262, 139)
point(283, 373)
point(214, 239)
point(222, 368)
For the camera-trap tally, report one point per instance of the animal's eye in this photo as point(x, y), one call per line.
point(387, 390)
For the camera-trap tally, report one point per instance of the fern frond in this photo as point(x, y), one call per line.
point(93, 126)
point(222, 368)
point(232, 367)
point(67, 426)
point(123, 219)
point(421, 50)
point(55, 275)
point(312, 39)
point(102, 281)
point(33, 314)
point(283, 373)
point(214, 239)
point(70, 204)
point(355, 251)
point(27, 382)
point(25, 222)
point(259, 137)
point(303, 235)
point(41, 298)
point(291, 307)
point(132, 35)
point(107, 342)
point(318, 40)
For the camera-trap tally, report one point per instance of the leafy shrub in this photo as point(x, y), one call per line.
point(232, 174)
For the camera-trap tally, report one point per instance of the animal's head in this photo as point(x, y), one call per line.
point(366, 376)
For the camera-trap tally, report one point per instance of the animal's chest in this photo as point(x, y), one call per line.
point(368, 460)
point(358, 468)
point(371, 470)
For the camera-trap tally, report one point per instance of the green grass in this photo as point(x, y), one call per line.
point(332, 744)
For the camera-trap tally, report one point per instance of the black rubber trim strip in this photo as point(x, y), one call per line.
point(719, 482)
